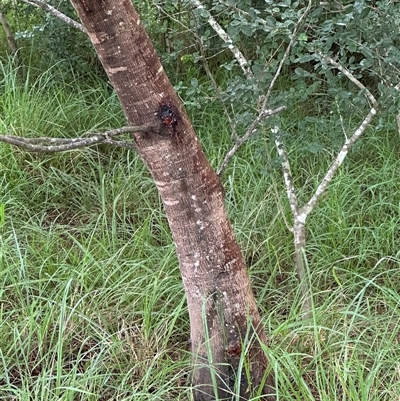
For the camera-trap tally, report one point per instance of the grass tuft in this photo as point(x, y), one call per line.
point(91, 302)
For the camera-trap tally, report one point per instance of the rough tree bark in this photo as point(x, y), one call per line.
point(222, 308)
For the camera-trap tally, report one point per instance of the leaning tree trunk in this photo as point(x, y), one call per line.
point(11, 41)
point(9, 35)
point(222, 308)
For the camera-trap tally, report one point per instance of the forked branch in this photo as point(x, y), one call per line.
point(300, 214)
point(251, 130)
point(349, 142)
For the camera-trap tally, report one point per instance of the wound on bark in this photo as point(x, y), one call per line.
point(169, 116)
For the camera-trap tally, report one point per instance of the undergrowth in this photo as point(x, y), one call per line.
point(91, 302)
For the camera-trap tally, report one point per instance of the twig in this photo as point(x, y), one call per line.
point(226, 38)
point(398, 122)
point(47, 7)
point(67, 144)
point(275, 187)
point(350, 76)
point(239, 142)
point(306, 209)
point(214, 83)
point(285, 56)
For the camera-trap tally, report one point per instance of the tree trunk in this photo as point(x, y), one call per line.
point(12, 43)
point(222, 309)
point(299, 229)
point(9, 35)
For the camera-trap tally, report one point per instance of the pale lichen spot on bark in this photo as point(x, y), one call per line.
point(232, 327)
point(160, 184)
point(171, 203)
point(117, 69)
point(160, 70)
point(302, 218)
point(229, 264)
point(95, 40)
point(201, 224)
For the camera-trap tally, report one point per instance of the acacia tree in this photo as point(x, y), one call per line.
point(226, 332)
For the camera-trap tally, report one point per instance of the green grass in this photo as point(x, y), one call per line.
point(91, 302)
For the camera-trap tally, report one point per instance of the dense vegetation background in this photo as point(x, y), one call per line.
point(91, 302)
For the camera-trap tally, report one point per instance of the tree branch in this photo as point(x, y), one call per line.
point(68, 144)
point(285, 56)
point(239, 142)
point(214, 83)
point(56, 13)
point(226, 38)
point(306, 209)
point(287, 175)
point(350, 76)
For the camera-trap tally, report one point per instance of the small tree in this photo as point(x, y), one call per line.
point(227, 337)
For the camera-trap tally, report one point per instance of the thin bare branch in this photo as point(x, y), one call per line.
point(287, 174)
point(68, 144)
point(398, 122)
point(285, 56)
point(251, 130)
point(275, 188)
point(226, 38)
point(306, 209)
point(350, 76)
point(47, 7)
point(215, 85)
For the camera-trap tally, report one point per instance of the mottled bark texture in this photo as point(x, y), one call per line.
point(222, 308)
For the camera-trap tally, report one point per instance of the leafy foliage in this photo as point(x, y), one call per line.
point(362, 35)
point(46, 40)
